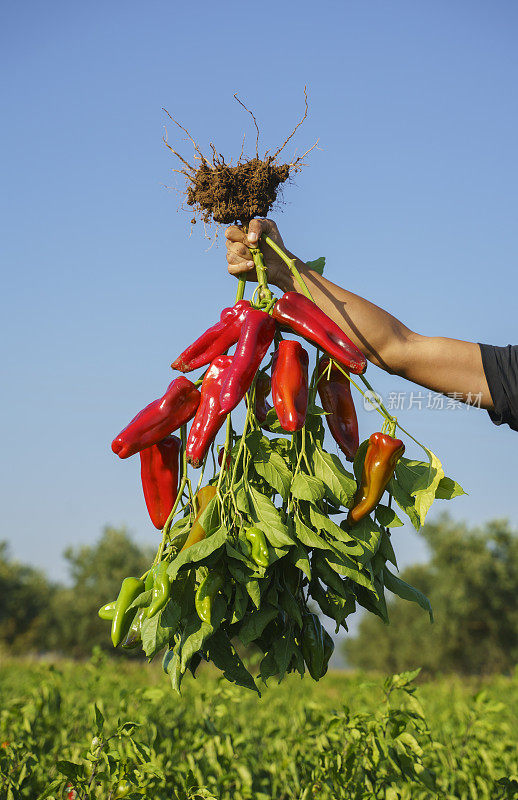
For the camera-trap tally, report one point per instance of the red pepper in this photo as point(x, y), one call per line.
point(304, 317)
point(159, 467)
point(290, 384)
point(383, 453)
point(256, 337)
point(160, 418)
point(263, 387)
point(335, 396)
point(209, 417)
point(228, 460)
point(215, 341)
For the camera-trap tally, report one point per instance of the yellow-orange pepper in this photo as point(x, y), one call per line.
point(383, 453)
point(203, 498)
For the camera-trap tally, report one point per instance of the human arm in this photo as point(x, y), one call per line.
point(435, 362)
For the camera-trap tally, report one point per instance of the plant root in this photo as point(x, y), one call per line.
point(230, 194)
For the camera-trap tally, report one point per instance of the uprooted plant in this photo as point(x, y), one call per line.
point(273, 533)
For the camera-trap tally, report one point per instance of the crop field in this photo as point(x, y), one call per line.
point(112, 729)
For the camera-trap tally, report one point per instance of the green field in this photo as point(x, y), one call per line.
point(347, 737)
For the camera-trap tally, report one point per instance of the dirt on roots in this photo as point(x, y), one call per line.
point(236, 194)
point(226, 193)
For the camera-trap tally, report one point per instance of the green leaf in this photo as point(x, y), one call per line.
point(405, 591)
point(143, 600)
point(317, 265)
point(387, 550)
point(375, 603)
point(255, 623)
point(400, 681)
point(266, 517)
point(299, 557)
point(308, 537)
point(323, 523)
point(197, 632)
point(368, 532)
point(387, 517)
point(359, 459)
point(340, 484)
point(49, 790)
point(405, 502)
point(157, 631)
point(69, 769)
point(348, 567)
point(241, 494)
point(99, 719)
point(272, 422)
point(222, 653)
point(197, 552)
point(448, 489)
point(268, 666)
point(240, 603)
point(172, 666)
point(272, 467)
point(252, 587)
point(289, 604)
point(253, 440)
point(209, 517)
point(307, 487)
point(238, 570)
point(315, 426)
point(420, 480)
point(284, 647)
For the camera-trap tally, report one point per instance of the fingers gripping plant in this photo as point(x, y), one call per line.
point(276, 534)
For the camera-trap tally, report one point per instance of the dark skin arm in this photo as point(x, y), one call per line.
point(435, 362)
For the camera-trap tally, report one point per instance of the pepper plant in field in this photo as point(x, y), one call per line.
point(264, 531)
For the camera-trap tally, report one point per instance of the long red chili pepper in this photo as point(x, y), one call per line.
point(337, 402)
point(159, 467)
point(209, 416)
point(160, 418)
point(256, 337)
point(304, 317)
point(383, 453)
point(215, 341)
point(290, 384)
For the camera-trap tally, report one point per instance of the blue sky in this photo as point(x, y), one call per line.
point(412, 197)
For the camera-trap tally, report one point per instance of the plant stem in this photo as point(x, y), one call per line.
point(380, 405)
point(241, 443)
point(261, 273)
point(290, 262)
point(167, 526)
point(225, 452)
point(240, 289)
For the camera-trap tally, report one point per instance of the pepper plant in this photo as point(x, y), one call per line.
point(273, 532)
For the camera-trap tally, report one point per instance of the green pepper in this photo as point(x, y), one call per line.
point(129, 591)
point(133, 638)
point(329, 647)
point(259, 547)
point(161, 589)
point(107, 611)
point(312, 645)
point(150, 578)
point(205, 594)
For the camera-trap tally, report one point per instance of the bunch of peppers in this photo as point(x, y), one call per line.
point(234, 563)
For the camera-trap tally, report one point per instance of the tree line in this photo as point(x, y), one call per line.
point(471, 580)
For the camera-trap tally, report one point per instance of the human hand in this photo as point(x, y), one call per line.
point(239, 258)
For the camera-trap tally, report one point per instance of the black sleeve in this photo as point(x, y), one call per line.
point(501, 369)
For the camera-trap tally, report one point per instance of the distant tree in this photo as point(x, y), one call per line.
point(96, 572)
point(25, 595)
point(472, 583)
